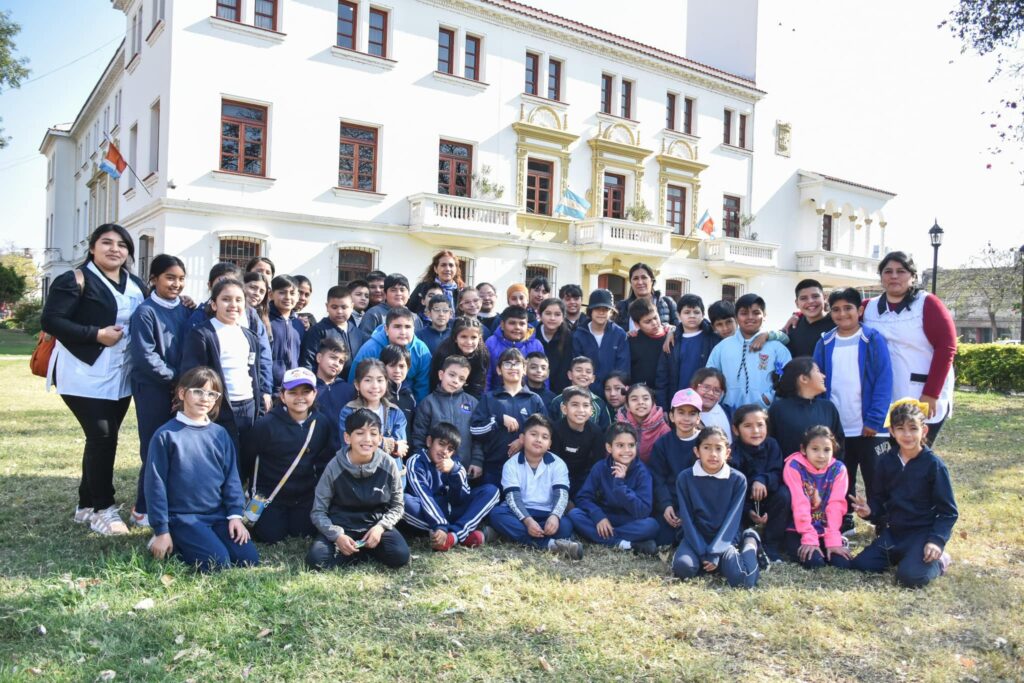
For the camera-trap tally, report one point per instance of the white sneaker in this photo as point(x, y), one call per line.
point(108, 522)
point(140, 519)
point(83, 515)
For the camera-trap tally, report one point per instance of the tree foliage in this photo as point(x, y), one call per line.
point(12, 285)
point(13, 69)
point(24, 265)
point(997, 26)
point(989, 284)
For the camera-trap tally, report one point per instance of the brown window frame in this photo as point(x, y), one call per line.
point(450, 58)
point(382, 44)
point(826, 233)
point(742, 139)
point(688, 103)
point(257, 14)
point(241, 253)
point(729, 293)
point(607, 85)
point(228, 5)
point(676, 287)
point(626, 99)
point(472, 73)
point(531, 74)
point(359, 271)
point(555, 80)
point(534, 176)
point(731, 216)
point(616, 284)
point(355, 24)
point(614, 193)
point(244, 124)
point(454, 159)
point(358, 144)
point(727, 127)
point(670, 111)
point(675, 207)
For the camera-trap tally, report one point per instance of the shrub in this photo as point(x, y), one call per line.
point(990, 367)
point(26, 315)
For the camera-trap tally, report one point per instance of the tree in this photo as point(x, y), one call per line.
point(996, 26)
point(12, 285)
point(12, 69)
point(990, 283)
point(21, 261)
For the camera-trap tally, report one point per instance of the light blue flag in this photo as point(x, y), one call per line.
point(572, 205)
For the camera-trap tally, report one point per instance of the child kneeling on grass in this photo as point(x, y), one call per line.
point(817, 486)
point(192, 489)
point(359, 497)
point(911, 504)
point(536, 487)
point(439, 500)
point(613, 507)
point(711, 500)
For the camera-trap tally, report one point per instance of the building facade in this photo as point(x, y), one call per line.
point(340, 137)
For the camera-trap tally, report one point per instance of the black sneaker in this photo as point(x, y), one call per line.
point(648, 547)
point(762, 558)
point(490, 534)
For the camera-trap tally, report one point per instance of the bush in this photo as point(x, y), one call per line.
point(26, 315)
point(990, 367)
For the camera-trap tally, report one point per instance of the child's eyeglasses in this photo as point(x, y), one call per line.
point(511, 364)
point(714, 391)
point(203, 395)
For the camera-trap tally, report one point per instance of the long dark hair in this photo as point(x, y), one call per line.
point(121, 232)
point(262, 308)
point(564, 334)
point(787, 384)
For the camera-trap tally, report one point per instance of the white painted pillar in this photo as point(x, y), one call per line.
point(363, 26)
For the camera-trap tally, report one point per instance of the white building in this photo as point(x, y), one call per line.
point(340, 137)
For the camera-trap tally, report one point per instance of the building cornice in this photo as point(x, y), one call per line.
point(111, 76)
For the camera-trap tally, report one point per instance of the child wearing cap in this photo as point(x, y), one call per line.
point(288, 447)
point(601, 340)
point(673, 453)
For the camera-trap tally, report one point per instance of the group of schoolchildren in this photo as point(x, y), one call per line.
point(630, 428)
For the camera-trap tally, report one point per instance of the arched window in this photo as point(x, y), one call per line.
point(353, 264)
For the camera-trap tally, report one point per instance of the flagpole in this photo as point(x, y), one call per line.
point(106, 136)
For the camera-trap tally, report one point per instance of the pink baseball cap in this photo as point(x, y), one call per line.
point(687, 397)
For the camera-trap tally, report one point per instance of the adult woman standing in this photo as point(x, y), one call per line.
point(88, 311)
point(444, 271)
point(641, 285)
point(921, 336)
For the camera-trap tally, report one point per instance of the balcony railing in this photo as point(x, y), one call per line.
point(831, 263)
point(739, 252)
point(613, 234)
point(460, 213)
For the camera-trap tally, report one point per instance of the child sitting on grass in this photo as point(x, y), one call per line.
point(646, 418)
point(711, 497)
point(613, 507)
point(912, 504)
point(536, 487)
point(438, 498)
point(192, 489)
point(817, 485)
point(673, 453)
point(758, 457)
point(358, 502)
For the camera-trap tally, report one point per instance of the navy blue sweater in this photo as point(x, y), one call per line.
point(914, 498)
point(330, 399)
point(432, 338)
point(789, 418)
point(286, 344)
point(621, 501)
point(612, 354)
point(676, 368)
point(191, 471)
point(711, 510)
point(276, 439)
point(761, 463)
point(579, 450)
point(352, 338)
point(669, 457)
point(488, 426)
point(157, 337)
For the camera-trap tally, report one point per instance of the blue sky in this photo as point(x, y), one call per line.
point(932, 151)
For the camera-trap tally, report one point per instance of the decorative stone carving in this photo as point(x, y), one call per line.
point(783, 138)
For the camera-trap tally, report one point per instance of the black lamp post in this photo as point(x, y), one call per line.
point(935, 235)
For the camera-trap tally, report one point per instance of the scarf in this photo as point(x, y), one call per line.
point(652, 429)
point(451, 291)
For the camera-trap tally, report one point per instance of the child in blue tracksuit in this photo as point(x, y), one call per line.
point(912, 504)
point(371, 387)
point(858, 380)
point(157, 330)
point(286, 328)
point(499, 417)
point(694, 341)
point(601, 340)
point(711, 498)
point(192, 487)
point(749, 371)
point(438, 499)
point(613, 507)
point(673, 453)
point(274, 444)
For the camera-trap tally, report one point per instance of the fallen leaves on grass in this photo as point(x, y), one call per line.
point(545, 664)
point(107, 675)
point(264, 633)
point(166, 580)
point(144, 604)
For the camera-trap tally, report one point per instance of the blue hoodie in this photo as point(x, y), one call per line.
point(419, 372)
point(875, 367)
point(286, 344)
point(612, 354)
point(603, 495)
point(497, 344)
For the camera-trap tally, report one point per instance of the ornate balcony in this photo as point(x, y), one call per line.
point(442, 215)
point(838, 269)
point(622, 236)
point(734, 256)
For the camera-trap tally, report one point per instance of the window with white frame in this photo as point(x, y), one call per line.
point(676, 287)
point(354, 263)
point(239, 250)
point(154, 137)
point(535, 270)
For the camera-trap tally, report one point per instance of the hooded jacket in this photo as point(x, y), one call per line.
point(276, 439)
point(875, 368)
point(498, 344)
point(819, 499)
point(419, 363)
point(488, 428)
point(350, 498)
point(612, 354)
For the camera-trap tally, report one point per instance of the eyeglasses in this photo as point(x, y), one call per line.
point(714, 391)
point(511, 364)
point(203, 395)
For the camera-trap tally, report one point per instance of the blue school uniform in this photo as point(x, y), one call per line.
point(670, 456)
point(286, 344)
point(255, 324)
point(433, 338)
point(438, 501)
point(157, 331)
point(625, 503)
point(676, 368)
point(352, 337)
point(763, 464)
point(611, 354)
point(488, 428)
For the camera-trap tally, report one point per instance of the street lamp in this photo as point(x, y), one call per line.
point(935, 235)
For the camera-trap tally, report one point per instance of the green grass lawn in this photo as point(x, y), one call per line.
point(16, 343)
point(498, 613)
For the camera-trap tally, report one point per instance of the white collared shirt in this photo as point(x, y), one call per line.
point(185, 419)
point(723, 473)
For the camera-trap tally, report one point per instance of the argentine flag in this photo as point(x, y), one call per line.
point(572, 205)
